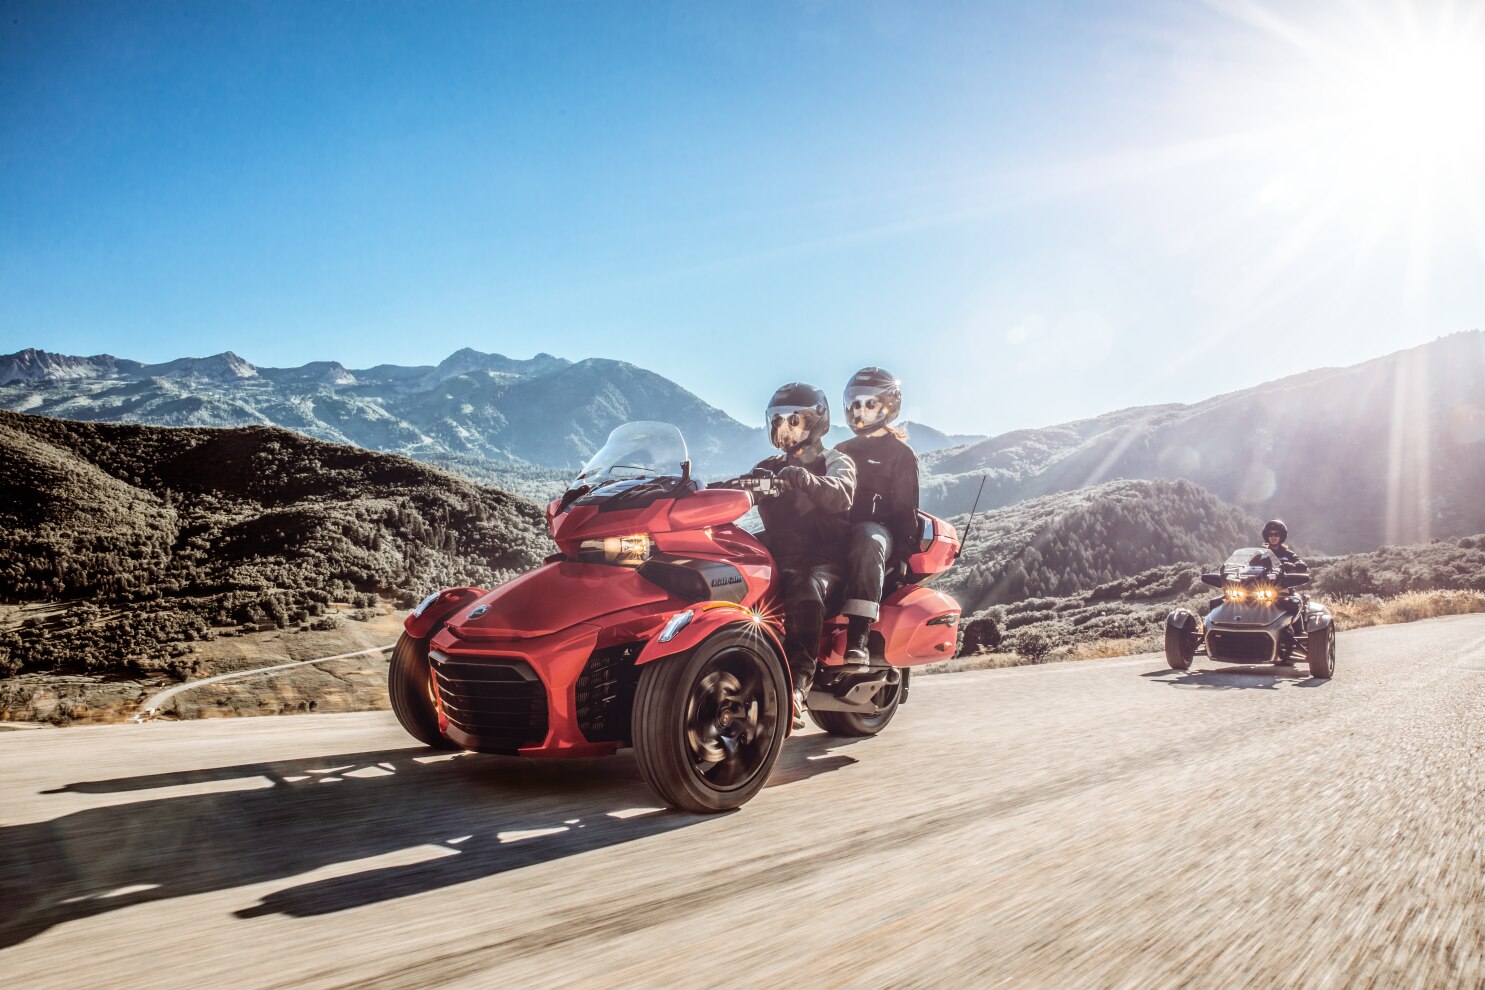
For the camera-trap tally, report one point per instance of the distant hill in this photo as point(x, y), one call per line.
point(1064, 543)
point(152, 536)
point(1389, 451)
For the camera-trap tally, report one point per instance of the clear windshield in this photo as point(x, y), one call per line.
point(1249, 562)
point(635, 450)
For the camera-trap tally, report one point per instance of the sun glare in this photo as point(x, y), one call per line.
point(1377, 112)
point(1410, 115)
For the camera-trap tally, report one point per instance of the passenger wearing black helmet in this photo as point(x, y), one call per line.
point(884, 515)
point(806, 527)
point(1275, 533)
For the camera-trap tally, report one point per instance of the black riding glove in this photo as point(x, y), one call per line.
point(795, 476)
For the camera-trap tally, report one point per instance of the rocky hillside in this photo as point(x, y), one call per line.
point(1389, 451)
point(147, 538)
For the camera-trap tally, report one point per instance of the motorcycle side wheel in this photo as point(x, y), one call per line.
point(1321, 651)
point(1180, 648)
point(851, 724)
point(708, 726)
point(411, 694)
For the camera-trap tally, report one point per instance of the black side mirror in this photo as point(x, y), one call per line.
point(1293, 580)
point(1215, 580)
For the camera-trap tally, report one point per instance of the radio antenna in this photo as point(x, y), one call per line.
point(964, 541)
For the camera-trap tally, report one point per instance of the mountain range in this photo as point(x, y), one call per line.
point(544, 411)
point(1388, 451)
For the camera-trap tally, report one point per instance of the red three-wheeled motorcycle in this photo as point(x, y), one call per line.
point(653, 627)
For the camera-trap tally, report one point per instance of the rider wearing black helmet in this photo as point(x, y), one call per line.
point(1275, 533)
point(884, 515)
point(806, 527)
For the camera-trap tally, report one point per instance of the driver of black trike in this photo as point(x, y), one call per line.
point(1275, 533)
point(805, 528)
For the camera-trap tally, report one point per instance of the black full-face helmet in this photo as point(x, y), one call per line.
point(872, 400)
point(1275, 527)
point(797, 416)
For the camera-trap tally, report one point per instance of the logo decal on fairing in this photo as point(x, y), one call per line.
point(478, 611)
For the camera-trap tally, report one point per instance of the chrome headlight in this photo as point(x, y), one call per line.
point(627, 551)
point(1234, 594)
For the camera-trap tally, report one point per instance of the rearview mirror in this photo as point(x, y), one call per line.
point(1293, 580)
point(1215, 580)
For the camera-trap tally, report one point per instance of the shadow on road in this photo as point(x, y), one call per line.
point(1237, 677)
point(458, 817)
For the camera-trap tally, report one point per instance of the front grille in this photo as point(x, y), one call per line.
point(498, 700)
point(605, 693)
point(1243, 647)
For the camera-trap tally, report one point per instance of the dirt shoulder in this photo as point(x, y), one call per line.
point(353, 684)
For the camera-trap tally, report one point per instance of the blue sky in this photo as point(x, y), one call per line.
point(1029, 212)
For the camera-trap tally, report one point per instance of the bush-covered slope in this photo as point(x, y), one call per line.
point(150, 536)
point(1061, 544)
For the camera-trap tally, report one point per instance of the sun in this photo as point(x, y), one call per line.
point(1378, 110)
point(1406, 117)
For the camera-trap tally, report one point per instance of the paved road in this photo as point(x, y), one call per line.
point(1098, 824)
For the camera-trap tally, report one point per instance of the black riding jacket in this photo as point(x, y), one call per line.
point(1291, 560)
point(809, 522)
point(886, 487)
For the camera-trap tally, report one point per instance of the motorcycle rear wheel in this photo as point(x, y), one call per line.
point(851, 724)
point(708, 726)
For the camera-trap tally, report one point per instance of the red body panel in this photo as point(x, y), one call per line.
point(907, 636)
point(449, 601)
point(708, 507)
point(940, 553)
point(557, 660)
point(710, 617)
point(553, 597)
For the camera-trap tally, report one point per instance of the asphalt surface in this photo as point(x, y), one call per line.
point(1100, 824)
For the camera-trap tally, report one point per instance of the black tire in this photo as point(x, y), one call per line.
point(708, 726)
point(851, 724)
point(412, 697)
point(1180, 648)
point(1321, 651)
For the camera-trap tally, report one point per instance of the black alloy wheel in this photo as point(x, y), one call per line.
point(708, 727)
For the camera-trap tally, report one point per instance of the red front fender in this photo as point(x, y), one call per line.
point(420, 625)
point(708, 617)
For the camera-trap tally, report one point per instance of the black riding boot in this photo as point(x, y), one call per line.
point(858, 629)
point(804, 622)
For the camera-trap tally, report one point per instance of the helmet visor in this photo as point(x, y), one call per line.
point(868, 407)
point(790, 426)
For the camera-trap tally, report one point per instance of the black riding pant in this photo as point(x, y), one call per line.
point(810, 591)
point(866, 569)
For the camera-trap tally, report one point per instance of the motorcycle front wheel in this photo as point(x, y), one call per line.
point(709, 725)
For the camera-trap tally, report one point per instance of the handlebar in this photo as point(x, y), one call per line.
point(761, 486)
